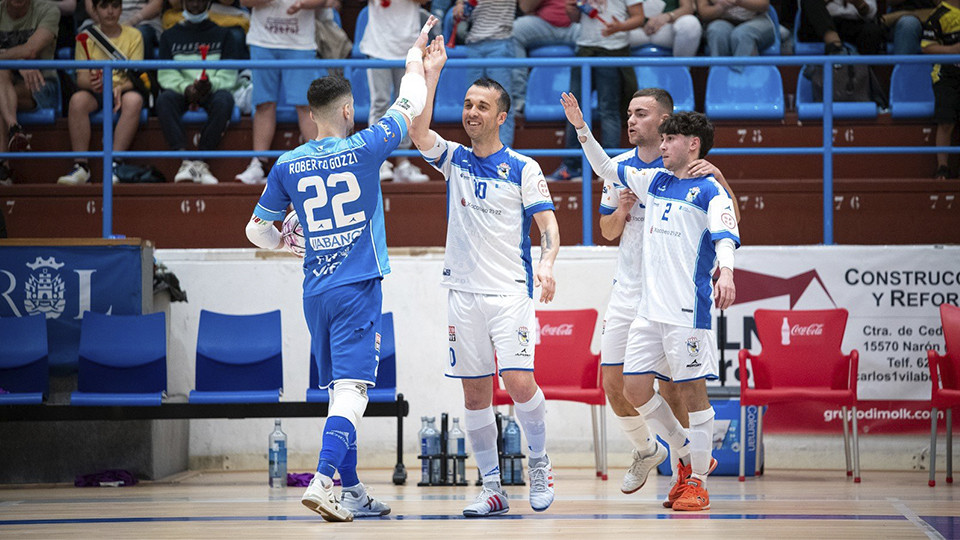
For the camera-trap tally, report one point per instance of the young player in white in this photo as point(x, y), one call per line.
point(621, 215)
point(333, 183)
point(690, 229)
point(493, 193)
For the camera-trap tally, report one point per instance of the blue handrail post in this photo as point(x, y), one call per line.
point(827, 153)
point(107, 151)
point(586, 184)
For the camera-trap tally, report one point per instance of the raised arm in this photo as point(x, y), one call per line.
point(599, 160)
point(412, 95)
point(420, 133)
point(549, 247)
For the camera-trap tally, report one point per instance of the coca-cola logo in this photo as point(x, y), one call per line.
point(565, 329)
point(815, 329)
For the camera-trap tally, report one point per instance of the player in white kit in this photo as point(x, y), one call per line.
point(690, 229)
point(494, 193)
point(621, 215)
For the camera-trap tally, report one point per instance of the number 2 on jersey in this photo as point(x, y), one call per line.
point(666, 211)
point(341, 218)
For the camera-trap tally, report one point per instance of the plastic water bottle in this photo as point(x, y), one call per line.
point(433, 449)
point(277, 454)
point(425, 461)
point(456, 446)
point(511, 446)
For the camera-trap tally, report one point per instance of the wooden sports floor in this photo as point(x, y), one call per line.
point(237, 505)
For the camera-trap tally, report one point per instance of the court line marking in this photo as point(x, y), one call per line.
point(912, 516)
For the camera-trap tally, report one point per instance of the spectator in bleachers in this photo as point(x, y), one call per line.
point(603, 35)
point(28, 31)
point(941, 35)
point(545, 21)
point(144, 15)
point(189, 88)
point(66, 37)
point(127, 96)
point(671, 24)
point(226, 13)
point(737, 27)
point(392, 25)
point(905, 22)
point(490, 26)
point(836, 21)
point(280, 30)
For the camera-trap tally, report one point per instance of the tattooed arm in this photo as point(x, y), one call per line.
point(550, 246)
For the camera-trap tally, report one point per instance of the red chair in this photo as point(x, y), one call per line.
point(567, 370)
point(801, 360)
point(945, 377)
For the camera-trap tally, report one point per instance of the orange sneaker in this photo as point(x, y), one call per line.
point(683, 474)
point(693, 498)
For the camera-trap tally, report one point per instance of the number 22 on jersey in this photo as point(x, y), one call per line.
point(340, 218)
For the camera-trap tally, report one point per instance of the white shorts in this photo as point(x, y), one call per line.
point(621, 311)
point(481, 324)
point(670, 352)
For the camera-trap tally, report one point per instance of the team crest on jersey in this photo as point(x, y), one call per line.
point(503, 170)
point(452, 332)
point(692, 194)
point(693, 347)
point(44, 290)
point(523, 335)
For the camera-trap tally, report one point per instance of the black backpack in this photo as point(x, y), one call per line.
point(850, 83)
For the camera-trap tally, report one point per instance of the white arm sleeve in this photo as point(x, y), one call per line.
point(599, 160)
point(263, 234)
point(725, 248)
point(412, 97)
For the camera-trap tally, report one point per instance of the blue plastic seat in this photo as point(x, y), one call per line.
point(807, 109)
point(754, 94)
point(385, 390)
point(96, 118)
point(550, 50)
point(451, 89)
point(650, 50)
point(911, 91)
point(43, 115)
point(673, 79)
point(239, 358)
point(24, 364)
point(199, 116)
point(360, 27)
point(804, 48)
point(361, 93)
point(543, 93)
point(446, 25)
point(123, 360)
point(773, 50)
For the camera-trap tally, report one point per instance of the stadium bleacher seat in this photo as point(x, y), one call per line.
point(673, 79)
point(651, 50)
point(543, 93)
point(96, 118)
point(550, 50)
point(804, 48)
point(911, 91)
point(24, 364)
point(239, 358)
point(199, 116)
point(385, 390)
point(42, 116)
point(807, 109)
point(361, 93)
point(122, 361)
point(452, 87)
point(756, 93)
point(358, 33)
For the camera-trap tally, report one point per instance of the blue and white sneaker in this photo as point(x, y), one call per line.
point(361, 504)
point(541, 484)
point(490, 502)
point(321, 499)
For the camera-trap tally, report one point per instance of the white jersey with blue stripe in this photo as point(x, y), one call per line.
point(334, 186)
point(631, 239)
point(683, 219)
point(490, 204)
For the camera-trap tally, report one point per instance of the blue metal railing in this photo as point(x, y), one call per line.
point(826, 149)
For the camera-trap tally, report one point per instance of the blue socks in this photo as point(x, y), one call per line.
point(338, 437)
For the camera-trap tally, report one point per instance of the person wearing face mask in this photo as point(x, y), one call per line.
point(184, 89)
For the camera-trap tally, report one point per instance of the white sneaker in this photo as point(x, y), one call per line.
point(408, 172)
point(202, 173)
point(636, 475)
point(321, 500)
point(253, 174)
point(386, 171)
point(361, 504)
point(541, 485)
point(490, 502)
point(79, 175)
point(186, 172)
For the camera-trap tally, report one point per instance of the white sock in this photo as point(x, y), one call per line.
point(701, 441)
point(662, 422)
point(531, 417)
point(482, 432)
point(636, 429)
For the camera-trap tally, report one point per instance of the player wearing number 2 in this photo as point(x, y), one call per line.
point(493, 193)
point(333, 183)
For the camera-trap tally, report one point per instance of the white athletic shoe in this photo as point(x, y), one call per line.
point(408, 172)
point(636, 475)
point(490, 502)
point(361, 504)
point(321, 500)
point(202, 173)
point(253, 174)
point(186, 172)
point(541, 485)
point(79, 175)
point(386, 171)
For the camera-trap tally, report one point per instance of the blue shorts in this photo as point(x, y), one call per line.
point(344, 325)
point(282, 86)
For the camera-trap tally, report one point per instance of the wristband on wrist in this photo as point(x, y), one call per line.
point(414, 55)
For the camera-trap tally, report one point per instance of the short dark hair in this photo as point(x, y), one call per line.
point(326, 90)
point(503, 101)
point(661, 96)
point(690, 124)
point(97, 3)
